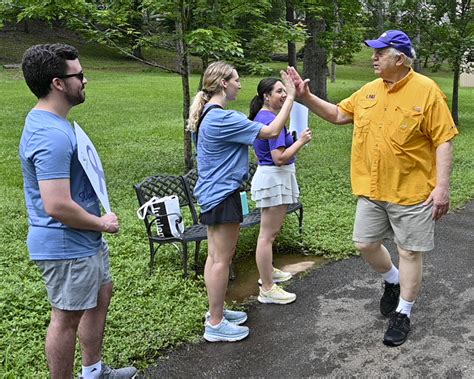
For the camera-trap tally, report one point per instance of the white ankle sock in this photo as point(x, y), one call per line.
point(93, 371)
point(405, 306)
point(391, 275)
point(217, 325)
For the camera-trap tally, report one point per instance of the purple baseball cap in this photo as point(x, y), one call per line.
point(392, 38)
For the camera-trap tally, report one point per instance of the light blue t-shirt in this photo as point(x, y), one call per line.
point(48, 150)
point(222, 155)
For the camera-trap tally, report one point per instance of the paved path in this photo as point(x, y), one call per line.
point(334, 328)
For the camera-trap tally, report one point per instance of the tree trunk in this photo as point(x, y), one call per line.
point(205, 63)
point(136, 21)
point(417, 61)
point(290, 18)
point(337, 30)
point(26, 26)
point(183, 68)
point(137, 51)
point(454, 107)
point(315, 58)
point(379, 17)
point(333, 71)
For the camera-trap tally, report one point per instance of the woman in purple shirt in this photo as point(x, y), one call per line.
point(274, 186)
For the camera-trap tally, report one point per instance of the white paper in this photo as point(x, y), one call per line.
point(92, 165)
point(298, 119)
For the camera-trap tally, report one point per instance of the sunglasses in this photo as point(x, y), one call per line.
point(79, 75)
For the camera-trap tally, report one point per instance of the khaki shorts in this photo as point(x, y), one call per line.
point(74, 284)
point(410, 226)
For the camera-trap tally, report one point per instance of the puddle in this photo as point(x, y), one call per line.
point(245, 284)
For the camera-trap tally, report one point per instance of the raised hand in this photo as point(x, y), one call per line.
point(289, 85)
point(301, 86)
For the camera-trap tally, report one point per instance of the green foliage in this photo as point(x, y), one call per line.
point(213, 43)
point(441, 30)
point(268, 36)
point(343, 27)
point(133, 115)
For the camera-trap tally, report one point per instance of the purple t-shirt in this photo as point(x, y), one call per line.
point(263, 148)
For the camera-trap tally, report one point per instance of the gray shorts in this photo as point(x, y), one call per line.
point(410, 226)
point(74, 284)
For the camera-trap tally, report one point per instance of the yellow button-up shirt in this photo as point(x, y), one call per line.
point(396, 133)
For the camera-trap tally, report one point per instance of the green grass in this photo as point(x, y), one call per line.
point(133, 115)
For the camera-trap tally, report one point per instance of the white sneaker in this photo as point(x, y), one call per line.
point(276, 295)
point(278, 276)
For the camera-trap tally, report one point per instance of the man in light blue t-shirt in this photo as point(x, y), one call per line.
point(65, 223)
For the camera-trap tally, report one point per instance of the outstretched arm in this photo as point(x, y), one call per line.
point(324, 109)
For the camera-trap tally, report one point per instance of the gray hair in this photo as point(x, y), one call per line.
point(408, 62)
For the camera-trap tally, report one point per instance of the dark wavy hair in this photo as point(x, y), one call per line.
point(264, 87)
point(42, 63)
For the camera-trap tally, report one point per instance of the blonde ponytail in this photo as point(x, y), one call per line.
point(195, 110)
point(211, 84)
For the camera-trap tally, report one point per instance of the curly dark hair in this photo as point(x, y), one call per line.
point(42, 63)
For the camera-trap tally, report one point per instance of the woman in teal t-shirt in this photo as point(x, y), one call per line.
point(222, 139)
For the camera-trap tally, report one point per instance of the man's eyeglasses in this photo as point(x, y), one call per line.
point(79, 75)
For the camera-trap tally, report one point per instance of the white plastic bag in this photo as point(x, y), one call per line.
point(169, 222)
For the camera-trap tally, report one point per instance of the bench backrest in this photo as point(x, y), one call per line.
point(247, 184)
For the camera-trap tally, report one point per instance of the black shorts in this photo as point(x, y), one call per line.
point(229, 211)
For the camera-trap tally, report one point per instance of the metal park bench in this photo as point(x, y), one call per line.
point(183, 187)
point(166, 185)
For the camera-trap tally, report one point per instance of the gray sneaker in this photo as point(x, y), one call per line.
point(117, 373)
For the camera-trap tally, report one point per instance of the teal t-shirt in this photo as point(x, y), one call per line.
point(222, 155)
point(48, 150)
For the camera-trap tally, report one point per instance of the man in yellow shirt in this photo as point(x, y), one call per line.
point(400, 167)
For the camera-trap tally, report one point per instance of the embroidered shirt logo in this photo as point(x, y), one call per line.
point(372, 97)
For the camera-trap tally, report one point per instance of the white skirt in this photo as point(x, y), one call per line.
point(273, 186)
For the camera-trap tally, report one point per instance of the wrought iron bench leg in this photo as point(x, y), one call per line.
point(300, 220)
point(185, 258)
point(196, 256)
point(152, 255)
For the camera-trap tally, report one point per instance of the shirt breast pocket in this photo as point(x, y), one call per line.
point(364, 114)
point(407, 125)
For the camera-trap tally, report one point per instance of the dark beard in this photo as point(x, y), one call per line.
point(75, 98)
